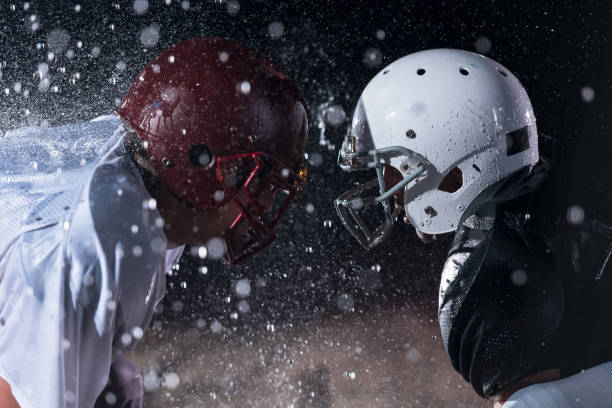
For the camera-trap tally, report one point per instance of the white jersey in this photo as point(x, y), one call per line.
point(83, 259)
point(590, 388)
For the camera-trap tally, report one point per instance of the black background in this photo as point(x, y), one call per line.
point(554, 48)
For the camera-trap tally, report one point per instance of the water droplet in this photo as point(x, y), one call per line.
point(110, 398)
point(141, 6)
point(346, 302)
point(372, 57)
point(151, 380)
point(243, 288)
point(178, 306)
point(588, 94)
point(216, 326)
point(202, 252)
point(276, 29)
point(58, 40)
point(575, 215)
point(32, 23)
point(315, 160)
point(137, 250)
point(219, 195)
point(149, 37)
point(413, 355)
point(233, 7)
point(88, 280)
point(216, 248)
point(137, 332)
point(171, 381)
point(126, 339)
point(121, 66)
point(334, 115)
point(482, 45)
point(243, 306)
point(518, 277)
point(245, 87)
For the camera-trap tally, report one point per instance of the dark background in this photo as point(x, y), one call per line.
point(555, 48)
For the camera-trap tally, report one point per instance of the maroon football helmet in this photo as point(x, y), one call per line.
point(217, 118)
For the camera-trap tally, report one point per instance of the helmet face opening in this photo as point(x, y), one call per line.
point(357, 207)
point(368, 211)
point(262, 188)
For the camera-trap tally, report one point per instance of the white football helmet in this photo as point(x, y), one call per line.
point(430, 115)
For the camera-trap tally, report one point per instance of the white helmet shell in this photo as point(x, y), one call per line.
point(454, 110)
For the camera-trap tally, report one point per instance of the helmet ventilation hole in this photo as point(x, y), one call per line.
point(200, 155)
point(430, 211)
point(420, 71)
point(386, 71)
point(410, 134)
point(167, 162)
point(476, 168)
point(452, 182)
point(501, 72)
point(464, 71)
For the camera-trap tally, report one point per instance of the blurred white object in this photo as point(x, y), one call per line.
point(69, 282)
point(589, 389)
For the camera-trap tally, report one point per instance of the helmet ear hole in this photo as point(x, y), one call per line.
point(452, 182)
point(200, 155)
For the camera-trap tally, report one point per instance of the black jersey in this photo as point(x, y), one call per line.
point(523, 289)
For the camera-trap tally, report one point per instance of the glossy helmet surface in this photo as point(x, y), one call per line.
point(216, 118)
point(432, 116)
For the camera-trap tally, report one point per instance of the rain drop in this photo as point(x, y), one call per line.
point(233, 7)
point(243, 288)
point(588, 94)
point(149, 37)
point(171, 381)
point(372, 57)
point(518, 277)
point(141, 6)
point(575, 215)
point(482, 45)
point(276, 29)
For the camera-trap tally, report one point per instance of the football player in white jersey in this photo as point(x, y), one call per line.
point(452, 139)
point(206, 148)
